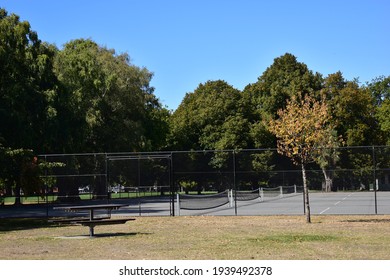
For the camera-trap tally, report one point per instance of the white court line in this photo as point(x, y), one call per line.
point(337, 203)
point(325, 210)
point(347, 196)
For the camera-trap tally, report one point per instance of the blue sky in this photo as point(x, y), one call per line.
point(185, 43)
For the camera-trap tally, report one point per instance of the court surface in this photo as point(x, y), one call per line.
point(339, 203)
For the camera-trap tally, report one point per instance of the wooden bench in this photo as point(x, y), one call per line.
point(73, 220)
point(99, 222)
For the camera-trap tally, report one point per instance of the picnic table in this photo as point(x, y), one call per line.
point(92, 220)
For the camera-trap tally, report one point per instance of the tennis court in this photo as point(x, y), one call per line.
point(338, 203)
point(149, 183)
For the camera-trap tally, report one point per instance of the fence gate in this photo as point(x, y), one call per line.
point(146, 179)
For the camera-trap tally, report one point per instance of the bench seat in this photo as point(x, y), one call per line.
point(104, 222)
point(75, 220)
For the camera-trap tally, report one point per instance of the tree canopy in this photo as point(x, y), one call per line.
point(26, 82)
point(285, 78)
point(303, 129)
point(112, 101)
point(214, 116)
point(81, 98)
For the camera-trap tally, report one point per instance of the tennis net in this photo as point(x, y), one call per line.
point(247, 195)
point(210, 201)
point(280, 192)
point(202, 202)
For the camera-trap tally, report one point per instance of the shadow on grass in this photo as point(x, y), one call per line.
point(102, 235)
point(379, 220)
point(121, 234)
point(23, 224)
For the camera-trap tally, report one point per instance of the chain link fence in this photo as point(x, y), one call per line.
point(142, 179)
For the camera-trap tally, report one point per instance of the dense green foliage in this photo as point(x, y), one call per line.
point(213, 117)
point(87, 98)
point(26, 80)
point(80, 98)
point(112, 102)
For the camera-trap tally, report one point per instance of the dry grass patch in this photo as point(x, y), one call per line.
point(271, 237)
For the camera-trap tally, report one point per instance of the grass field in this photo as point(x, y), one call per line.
point(271, 238)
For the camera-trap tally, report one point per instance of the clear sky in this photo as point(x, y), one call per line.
point(188, 42)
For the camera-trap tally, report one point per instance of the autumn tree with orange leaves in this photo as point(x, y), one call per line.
point(303, 130)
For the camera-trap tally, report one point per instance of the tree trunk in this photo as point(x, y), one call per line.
point(17, 193)
point(328, 180)
point(306, 194)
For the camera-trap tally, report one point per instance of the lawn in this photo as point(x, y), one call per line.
point(202, 237)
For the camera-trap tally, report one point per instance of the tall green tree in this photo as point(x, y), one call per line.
point(380, 91)
point(353, 116)
point(353, 111)
point(285, 78)
point(110, 105)
point(281, 81)
point(214, 116)
point(112, 101)
point(383, 117)
point(27, 109)
point(26, 82)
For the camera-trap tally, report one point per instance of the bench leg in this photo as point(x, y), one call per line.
point(91, 231)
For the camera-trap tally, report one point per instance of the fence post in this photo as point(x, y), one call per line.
point(374, 182)
point(172, 186)
point(234, 182)
point(107, 177)
point(46, 190)
point(178, 203)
